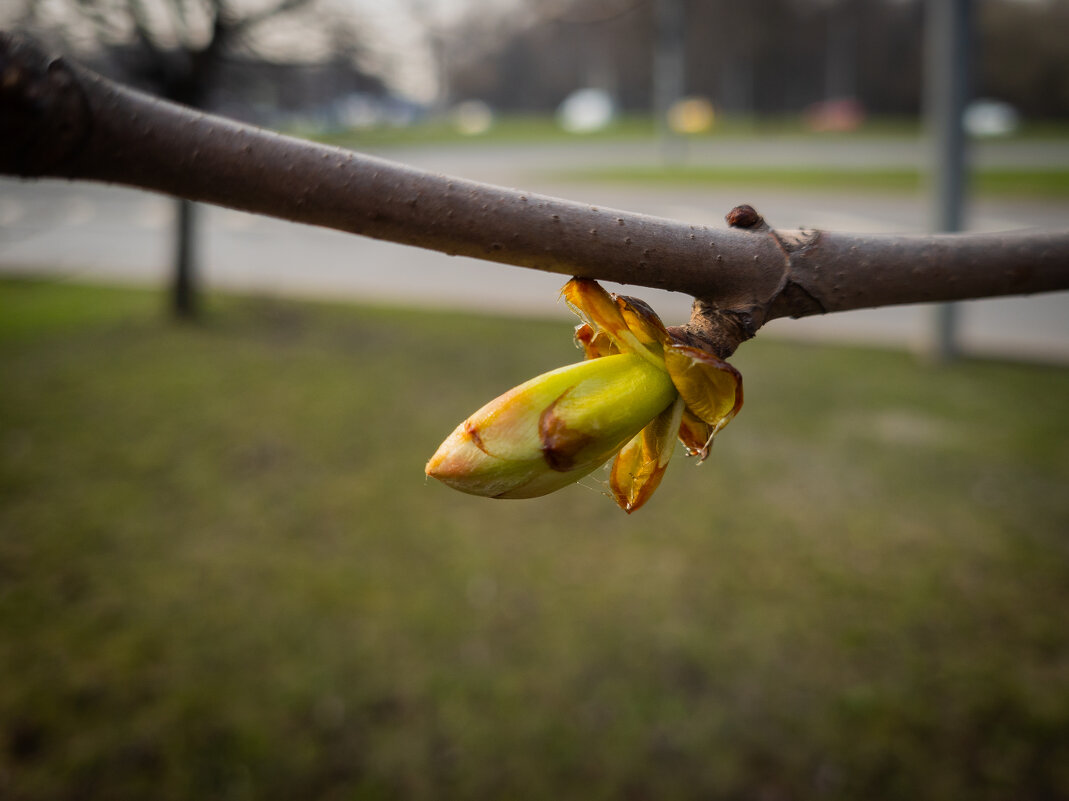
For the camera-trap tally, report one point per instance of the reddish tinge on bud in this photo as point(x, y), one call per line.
point(636, 392)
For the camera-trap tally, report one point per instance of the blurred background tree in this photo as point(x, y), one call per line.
point(223, 55)
point(774, 57)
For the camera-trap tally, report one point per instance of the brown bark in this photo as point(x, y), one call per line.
point(59, 120)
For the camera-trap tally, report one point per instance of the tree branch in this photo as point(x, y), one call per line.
point(60, 120)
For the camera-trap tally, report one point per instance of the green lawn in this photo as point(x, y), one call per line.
point(223, 575)
point(541, 128)
point(508, 129)
point(995, 182)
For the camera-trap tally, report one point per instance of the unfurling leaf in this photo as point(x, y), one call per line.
point(635, 393)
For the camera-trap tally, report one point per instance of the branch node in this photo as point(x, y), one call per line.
point(794, 298)
point(791, 294)
point(715, 330)
point(44, 115)
point(745, 218)
point(798, 300)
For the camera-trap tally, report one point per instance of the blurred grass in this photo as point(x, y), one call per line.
point(532, 128)
point(997, 182)
point(222, 574)
point(507, 129)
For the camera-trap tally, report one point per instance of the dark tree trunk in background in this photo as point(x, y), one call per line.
point(190, 89)
point(174, 49)
point(186, 78)
point(184, 295)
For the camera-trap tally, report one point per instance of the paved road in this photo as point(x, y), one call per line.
point(105, 233)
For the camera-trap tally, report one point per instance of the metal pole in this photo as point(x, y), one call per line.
point(669, 72)
point(947, 54)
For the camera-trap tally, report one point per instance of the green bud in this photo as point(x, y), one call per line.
point(554, 429)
